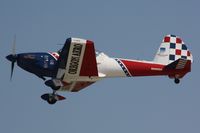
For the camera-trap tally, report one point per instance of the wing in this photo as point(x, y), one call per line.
point(77, 64)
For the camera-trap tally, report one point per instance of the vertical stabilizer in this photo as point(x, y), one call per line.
point(171, 49)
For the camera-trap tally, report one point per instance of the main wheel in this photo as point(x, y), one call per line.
point(177, 81)
point(51, 100)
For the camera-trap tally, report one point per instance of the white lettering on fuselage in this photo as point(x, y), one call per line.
point(75, 58)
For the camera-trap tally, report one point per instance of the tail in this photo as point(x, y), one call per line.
point(171, 49)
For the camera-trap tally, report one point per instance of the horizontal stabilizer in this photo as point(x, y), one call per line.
point(178, 64)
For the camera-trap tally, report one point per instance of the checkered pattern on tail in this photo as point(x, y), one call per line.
point(171, 49)
point(178, 49)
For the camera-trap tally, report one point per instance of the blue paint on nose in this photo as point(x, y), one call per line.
point(41, 64)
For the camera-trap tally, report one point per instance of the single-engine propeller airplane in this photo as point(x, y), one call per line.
point(77, 65)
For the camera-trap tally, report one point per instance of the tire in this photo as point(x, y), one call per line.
point(177, 81)
point(51, 100)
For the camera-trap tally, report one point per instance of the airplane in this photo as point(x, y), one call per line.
point(77, 65)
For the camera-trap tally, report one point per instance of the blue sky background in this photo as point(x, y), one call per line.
point(131, 29)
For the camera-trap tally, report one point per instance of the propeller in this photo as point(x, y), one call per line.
point(12, 57)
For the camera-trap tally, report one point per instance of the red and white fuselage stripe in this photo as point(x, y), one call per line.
point(116, 67)
point(145, 68)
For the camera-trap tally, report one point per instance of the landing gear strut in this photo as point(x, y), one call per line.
point(54, 84)
point(52, 98)
point(177, 81)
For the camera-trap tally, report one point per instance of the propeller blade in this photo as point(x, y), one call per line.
point(12, 57)
point(14, 46)
point(12, 68)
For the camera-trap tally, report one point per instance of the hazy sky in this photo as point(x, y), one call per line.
point(129, 29)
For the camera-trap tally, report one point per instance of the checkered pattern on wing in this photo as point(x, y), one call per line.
point(177, 48)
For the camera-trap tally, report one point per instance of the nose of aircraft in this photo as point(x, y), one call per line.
point(12, 57)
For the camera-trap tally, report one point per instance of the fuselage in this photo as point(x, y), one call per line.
point(119, 67)
point(46, 65)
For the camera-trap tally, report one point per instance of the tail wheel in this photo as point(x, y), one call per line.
point(177, 81)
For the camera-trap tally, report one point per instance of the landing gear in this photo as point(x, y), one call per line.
point(54, 84)
point(52, 98)
point(52, 101)
point(177, 81)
